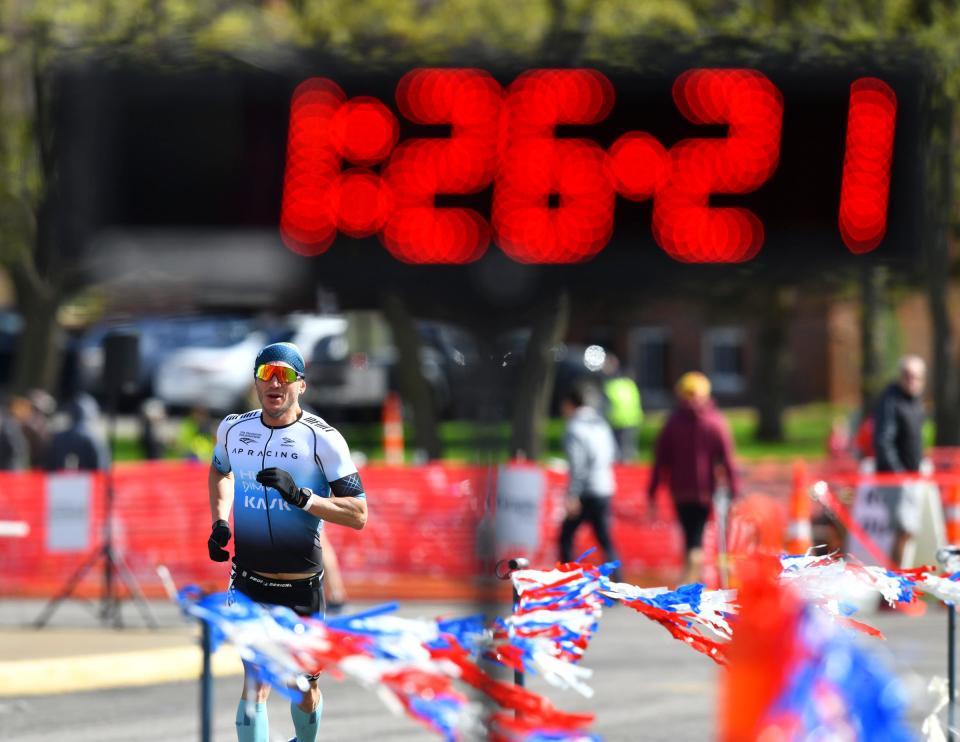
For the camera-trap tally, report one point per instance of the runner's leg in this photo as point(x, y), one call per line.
point(306, 714)
point(252, 722)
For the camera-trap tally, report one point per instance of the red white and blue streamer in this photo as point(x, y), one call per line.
point(412, 664)
point(429, 669)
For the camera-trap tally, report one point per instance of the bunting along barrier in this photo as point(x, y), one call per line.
point(793, 667)
point(410, 663)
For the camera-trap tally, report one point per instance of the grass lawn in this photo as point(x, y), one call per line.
point(807, 428)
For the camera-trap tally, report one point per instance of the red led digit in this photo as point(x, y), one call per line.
point(361, 201)
point(536, 165)
point(364, 132)
point(319, 199)
point(639, 164)
point(470, 101)
point(683, 222)
point(307, 215)
point(510, 140)
point(865, 188)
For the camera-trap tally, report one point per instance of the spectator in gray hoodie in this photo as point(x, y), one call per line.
point(591, 451)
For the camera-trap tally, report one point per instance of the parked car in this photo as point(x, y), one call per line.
point(345, 382)
point(220, 378)
point(158, 338)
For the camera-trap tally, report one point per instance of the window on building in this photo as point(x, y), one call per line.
point(724, 359)
point(650, 360)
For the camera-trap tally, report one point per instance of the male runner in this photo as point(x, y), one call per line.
point(284, 472)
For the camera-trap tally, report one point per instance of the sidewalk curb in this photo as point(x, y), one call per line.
point(52, 675)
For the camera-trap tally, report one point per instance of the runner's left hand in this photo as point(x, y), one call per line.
point(283, 483)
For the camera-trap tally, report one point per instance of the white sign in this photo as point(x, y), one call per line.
point(68, 512)
point(871, 511)
point(519, 504)
point(917, 505)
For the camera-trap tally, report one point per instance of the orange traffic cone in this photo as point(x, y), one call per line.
point(799, 529)
point(392, 429)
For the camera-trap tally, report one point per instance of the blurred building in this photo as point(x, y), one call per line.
point(664, 339)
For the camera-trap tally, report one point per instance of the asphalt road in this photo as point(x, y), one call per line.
point(648, 687)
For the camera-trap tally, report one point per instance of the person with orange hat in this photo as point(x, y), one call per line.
point(693, 445)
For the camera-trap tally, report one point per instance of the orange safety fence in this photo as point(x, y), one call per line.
point(432, 529)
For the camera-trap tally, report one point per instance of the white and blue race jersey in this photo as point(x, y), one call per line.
point(270, 534)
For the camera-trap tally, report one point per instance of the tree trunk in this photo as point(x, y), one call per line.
point(532, 399)
point(937, 263)
point(413, 387)
point(872, 284)
point(570, 25)
point(29, 246)
point(36, 362)
point(773, 364)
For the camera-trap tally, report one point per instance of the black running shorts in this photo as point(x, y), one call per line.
point(304, 596)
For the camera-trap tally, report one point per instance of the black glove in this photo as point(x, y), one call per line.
point(283, 483)
point(219, 537)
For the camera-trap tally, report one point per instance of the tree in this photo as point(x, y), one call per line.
point(773, 363)
point(26, 195)
point(413, 386)
point(39, 38)
point(930, 29)
point(532, 399)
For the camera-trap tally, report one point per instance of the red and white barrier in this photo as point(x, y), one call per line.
point(433, 530)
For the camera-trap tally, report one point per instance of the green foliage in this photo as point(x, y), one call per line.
point(616, 20)
point(807, 429)
point(378, 31)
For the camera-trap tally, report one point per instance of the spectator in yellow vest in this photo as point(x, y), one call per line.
point(624, 411)
point(194, 439)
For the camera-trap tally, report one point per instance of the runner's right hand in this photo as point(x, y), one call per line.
point(219, 537)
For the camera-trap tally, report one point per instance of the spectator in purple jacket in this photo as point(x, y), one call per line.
point(694, 443)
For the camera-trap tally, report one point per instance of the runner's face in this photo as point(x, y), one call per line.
point(279, 400)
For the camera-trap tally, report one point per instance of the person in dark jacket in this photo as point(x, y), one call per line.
point(898, 446)
point(14, 447)
point(694, 444)
point(80, 446)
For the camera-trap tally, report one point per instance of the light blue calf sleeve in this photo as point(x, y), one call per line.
point(253, 728)
point(306, 723)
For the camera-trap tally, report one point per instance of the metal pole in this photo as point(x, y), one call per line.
point(721, 508)
point(518, 679)
point(504, 569)
point(949, 557)
point(951, 670)
point(110, 609)
point(206, 685)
